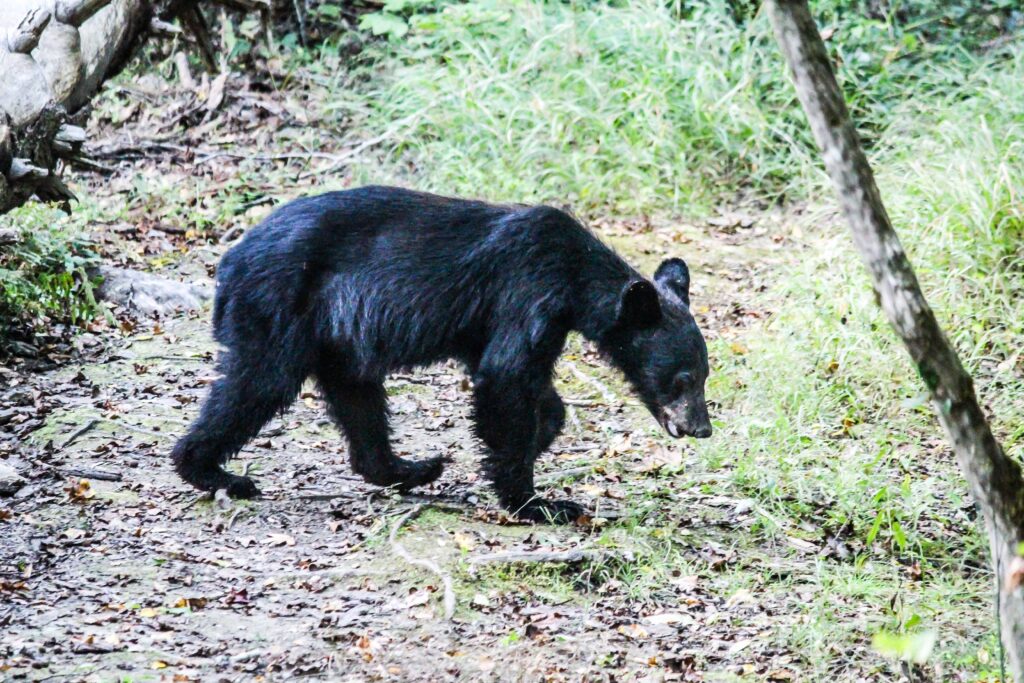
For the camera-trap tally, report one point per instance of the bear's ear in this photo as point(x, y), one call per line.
point(674, 276)
point(638, 306)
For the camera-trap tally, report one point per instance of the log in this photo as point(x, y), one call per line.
point(54, 55)
point(995, 480)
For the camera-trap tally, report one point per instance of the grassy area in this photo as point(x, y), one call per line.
point(631, 109)
point(627, 106)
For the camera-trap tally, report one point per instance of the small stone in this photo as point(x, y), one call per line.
point(10, 480)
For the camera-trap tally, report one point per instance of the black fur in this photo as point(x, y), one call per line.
point(349, 286)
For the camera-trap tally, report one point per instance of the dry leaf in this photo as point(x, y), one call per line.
point(465, 541)
point(634, 631)
point(740, 597)
point(279, 540)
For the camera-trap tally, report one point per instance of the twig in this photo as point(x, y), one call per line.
point(329, 496)
point(602, 389)
point(231, 234)
point(353, 152)
point(98, 475)
point(205, 496)
point(141, 430)
point(567, 556)
point(449, 591)
point(302, 22)
point(195, 22)
point(80, 432)
point(573, 418)
point(581, 402)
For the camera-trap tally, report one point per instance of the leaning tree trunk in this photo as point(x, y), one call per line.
point(995, 479)
point(54, 55)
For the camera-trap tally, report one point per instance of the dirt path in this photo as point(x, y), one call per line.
point(138, 579)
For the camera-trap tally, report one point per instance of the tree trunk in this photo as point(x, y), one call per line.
point(995, 480)
point(54, 55)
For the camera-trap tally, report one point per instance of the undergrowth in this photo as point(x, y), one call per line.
point(43, 280)
point(631, 107)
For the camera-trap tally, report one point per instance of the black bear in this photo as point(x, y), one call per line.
point(349, 286)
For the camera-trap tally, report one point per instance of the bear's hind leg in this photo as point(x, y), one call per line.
point(239, 404)
point(551, 414)
point(360, 410)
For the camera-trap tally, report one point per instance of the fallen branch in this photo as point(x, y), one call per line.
point(399, 549)
point(606, 393)
point(86, 473)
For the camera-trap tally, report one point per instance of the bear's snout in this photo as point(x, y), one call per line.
point(686, 418)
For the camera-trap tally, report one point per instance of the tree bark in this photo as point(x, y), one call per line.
point(995, 480)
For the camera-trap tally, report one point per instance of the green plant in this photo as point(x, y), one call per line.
point(43, 274)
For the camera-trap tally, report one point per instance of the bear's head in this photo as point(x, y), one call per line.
point(657, 344)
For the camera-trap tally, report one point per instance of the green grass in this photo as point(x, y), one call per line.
point(621, 106)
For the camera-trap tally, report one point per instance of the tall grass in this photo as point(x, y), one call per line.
point(627, 107)
point(596, 105)
point(825, 419)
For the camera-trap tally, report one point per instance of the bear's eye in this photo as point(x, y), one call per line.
point(682, 381)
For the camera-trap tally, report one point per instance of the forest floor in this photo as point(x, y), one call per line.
point(112, 569)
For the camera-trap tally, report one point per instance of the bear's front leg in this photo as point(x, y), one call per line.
point(507, 421)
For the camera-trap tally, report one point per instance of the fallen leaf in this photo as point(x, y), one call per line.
point(669, 618)
point(80, 491)
point(740, 597)
point(465, 541)
point(279, 540)
point(633, 631)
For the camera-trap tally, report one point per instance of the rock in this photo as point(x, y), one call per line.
point(10, 480)
point(149, 294)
